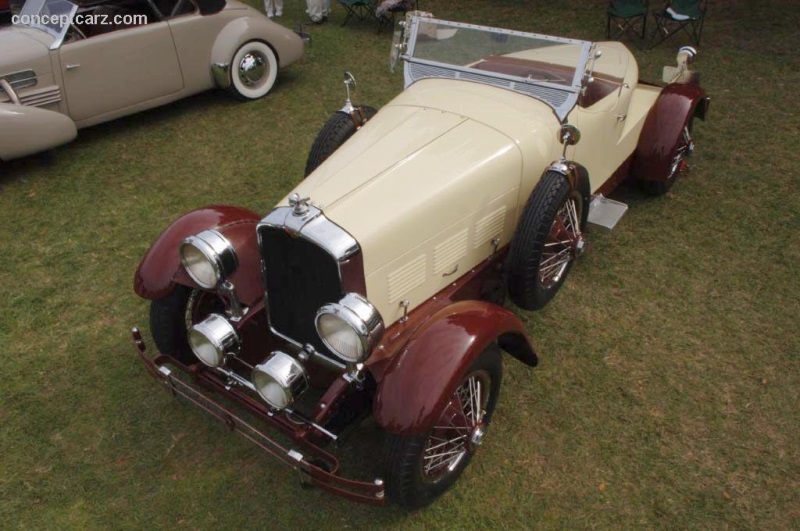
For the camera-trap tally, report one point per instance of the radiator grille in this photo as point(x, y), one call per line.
point(300, 277)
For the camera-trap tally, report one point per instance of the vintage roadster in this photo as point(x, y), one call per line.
point(376, 287)
point(67, 66)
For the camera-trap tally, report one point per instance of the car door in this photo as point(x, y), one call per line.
point(602, 115)
point(110, 72)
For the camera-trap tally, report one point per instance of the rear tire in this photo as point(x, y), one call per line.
point(683, 150)
point(334, 133)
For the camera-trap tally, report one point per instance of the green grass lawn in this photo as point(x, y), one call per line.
point(668, 393)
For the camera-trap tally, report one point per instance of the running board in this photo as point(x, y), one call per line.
point(606, 212)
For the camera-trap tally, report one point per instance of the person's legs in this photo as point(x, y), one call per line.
point(316, 10)
point(269, 8)
point(278, 8)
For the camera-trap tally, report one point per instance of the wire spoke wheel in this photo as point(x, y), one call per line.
point(459, 430)
point(559, 248)
point(547, 239)
point(685, 149)
point(422, 466)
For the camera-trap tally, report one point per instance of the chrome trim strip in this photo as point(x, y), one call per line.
point(221, 73)
point(331, 237)
point(314, 227)
point(9, 91)
point(21, 79)
point(41, 97)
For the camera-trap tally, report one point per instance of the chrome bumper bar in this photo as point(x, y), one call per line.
point(310, 473)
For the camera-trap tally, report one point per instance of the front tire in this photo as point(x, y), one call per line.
point(421, 468)
point(172, 316)
point(335, 132)
point(547, 239)
point(254, 68)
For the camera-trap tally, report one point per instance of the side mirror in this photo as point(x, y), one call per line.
point(398, 43)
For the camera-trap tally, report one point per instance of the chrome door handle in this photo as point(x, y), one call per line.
point(621, 117)
point(72, 67)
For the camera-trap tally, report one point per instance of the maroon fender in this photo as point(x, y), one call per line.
point(658, 142)
point(417, 384)
point(160, 268)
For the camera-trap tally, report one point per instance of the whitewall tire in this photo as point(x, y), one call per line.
point(253, 71)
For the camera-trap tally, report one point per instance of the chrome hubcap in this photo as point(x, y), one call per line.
point(477, 438)
point(252, 68)
point(563, 243)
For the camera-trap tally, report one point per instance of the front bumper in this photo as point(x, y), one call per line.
point(308, 460)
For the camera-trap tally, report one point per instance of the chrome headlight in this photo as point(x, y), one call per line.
point(209, 258)
point(279, 379)
point(212, 338)
point(350, 328)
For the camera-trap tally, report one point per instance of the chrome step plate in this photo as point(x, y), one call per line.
point(605, 212)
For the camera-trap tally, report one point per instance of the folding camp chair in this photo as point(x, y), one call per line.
point(388, 11)
point(686, 15)
point(361, 9)
point(627, 15)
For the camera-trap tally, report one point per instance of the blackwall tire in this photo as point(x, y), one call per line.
point(172, 316)
point(538, 259)
point(421, 468)
point(334, 133)
point(253, 70)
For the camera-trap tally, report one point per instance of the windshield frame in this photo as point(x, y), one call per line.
point(562, 98)
point(33, 12)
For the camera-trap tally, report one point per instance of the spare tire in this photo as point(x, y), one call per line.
point(335, 132)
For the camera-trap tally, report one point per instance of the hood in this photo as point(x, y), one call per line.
point(24, 49)
point(430, 181)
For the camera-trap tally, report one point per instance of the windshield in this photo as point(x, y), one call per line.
point(548, 68)
point(51, 16)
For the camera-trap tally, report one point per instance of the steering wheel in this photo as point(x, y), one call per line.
point(74, 33)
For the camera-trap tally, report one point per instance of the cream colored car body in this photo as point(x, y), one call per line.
point(436, 181)
point(93, 80)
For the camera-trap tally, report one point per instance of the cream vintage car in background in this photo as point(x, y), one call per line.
point(131, 55)
point(376, 286)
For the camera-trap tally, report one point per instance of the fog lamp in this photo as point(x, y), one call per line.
point(280, 379)
point(350, 328)
point(212, 338)
point(209, 258)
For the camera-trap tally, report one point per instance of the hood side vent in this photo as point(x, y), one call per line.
point(406, 278)
point(490, 226)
